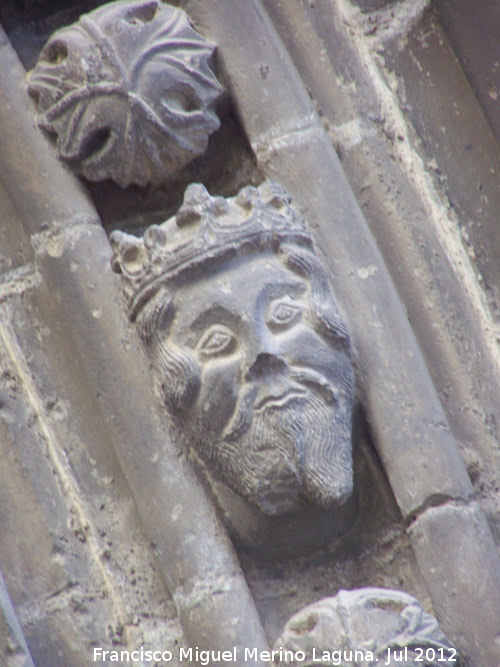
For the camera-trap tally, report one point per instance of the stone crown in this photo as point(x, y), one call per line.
point(204, 229)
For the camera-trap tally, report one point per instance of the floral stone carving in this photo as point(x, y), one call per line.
point(252, 358)
point(363, 628)
point(129, 92)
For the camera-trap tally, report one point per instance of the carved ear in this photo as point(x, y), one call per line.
point(178, 376)
point(329, 324)
point(153, 322)
point(324, 314)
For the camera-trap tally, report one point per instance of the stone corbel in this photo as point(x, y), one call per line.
point(128, 91)
point(365, 627)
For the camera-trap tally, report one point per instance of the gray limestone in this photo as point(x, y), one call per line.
point(365, 627)
point(194, 555)
point(104, 500)
point(251, 356)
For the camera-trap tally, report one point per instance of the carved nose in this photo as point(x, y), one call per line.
point(266, 364)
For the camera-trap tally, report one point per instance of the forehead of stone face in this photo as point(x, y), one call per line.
point(236, 292)
point(204, 233)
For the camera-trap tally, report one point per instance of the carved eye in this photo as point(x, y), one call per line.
point(283, 314)
point(217, 339)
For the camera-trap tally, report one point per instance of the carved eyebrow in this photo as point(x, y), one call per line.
point(288, 287)
point(214, 314)
point(218, 313)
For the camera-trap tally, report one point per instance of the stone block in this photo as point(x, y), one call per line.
point(464, 581)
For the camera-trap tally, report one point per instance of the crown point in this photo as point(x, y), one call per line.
point(218, 206)
point(275, 195)
point(116, 238)
point(248, 198)
point(155, 236)
point(196, 193)
point(134, 257)
point(187, 215)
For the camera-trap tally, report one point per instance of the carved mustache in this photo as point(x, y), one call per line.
point(311, 378)
point(295, 382)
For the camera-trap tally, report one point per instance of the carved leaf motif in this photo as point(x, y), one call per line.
point(129, 92)
point(375, 620)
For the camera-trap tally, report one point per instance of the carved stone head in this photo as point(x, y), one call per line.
point(251, 355)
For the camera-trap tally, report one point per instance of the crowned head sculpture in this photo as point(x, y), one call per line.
point(252, 358)
point(129, 92)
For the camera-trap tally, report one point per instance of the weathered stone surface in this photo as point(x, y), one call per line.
point(285, 574)
point(41, 541)
point(79, 569)
point(454, 305)
point(70, 243)
point(15, 251)
point(14, 651)
point(415, 442)
point(429, 193)
point(129, 92)
point(473, 30)
point(464, 582)
point(365, 627)
point(397, 391)
point(254, 67)
point(372, 5)
point(461, 148)
point(250, 353)
point(399, 396)
point(195, 556)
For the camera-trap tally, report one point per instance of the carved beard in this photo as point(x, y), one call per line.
point(300, 449)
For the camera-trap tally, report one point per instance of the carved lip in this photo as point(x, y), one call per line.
point(281, 399)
